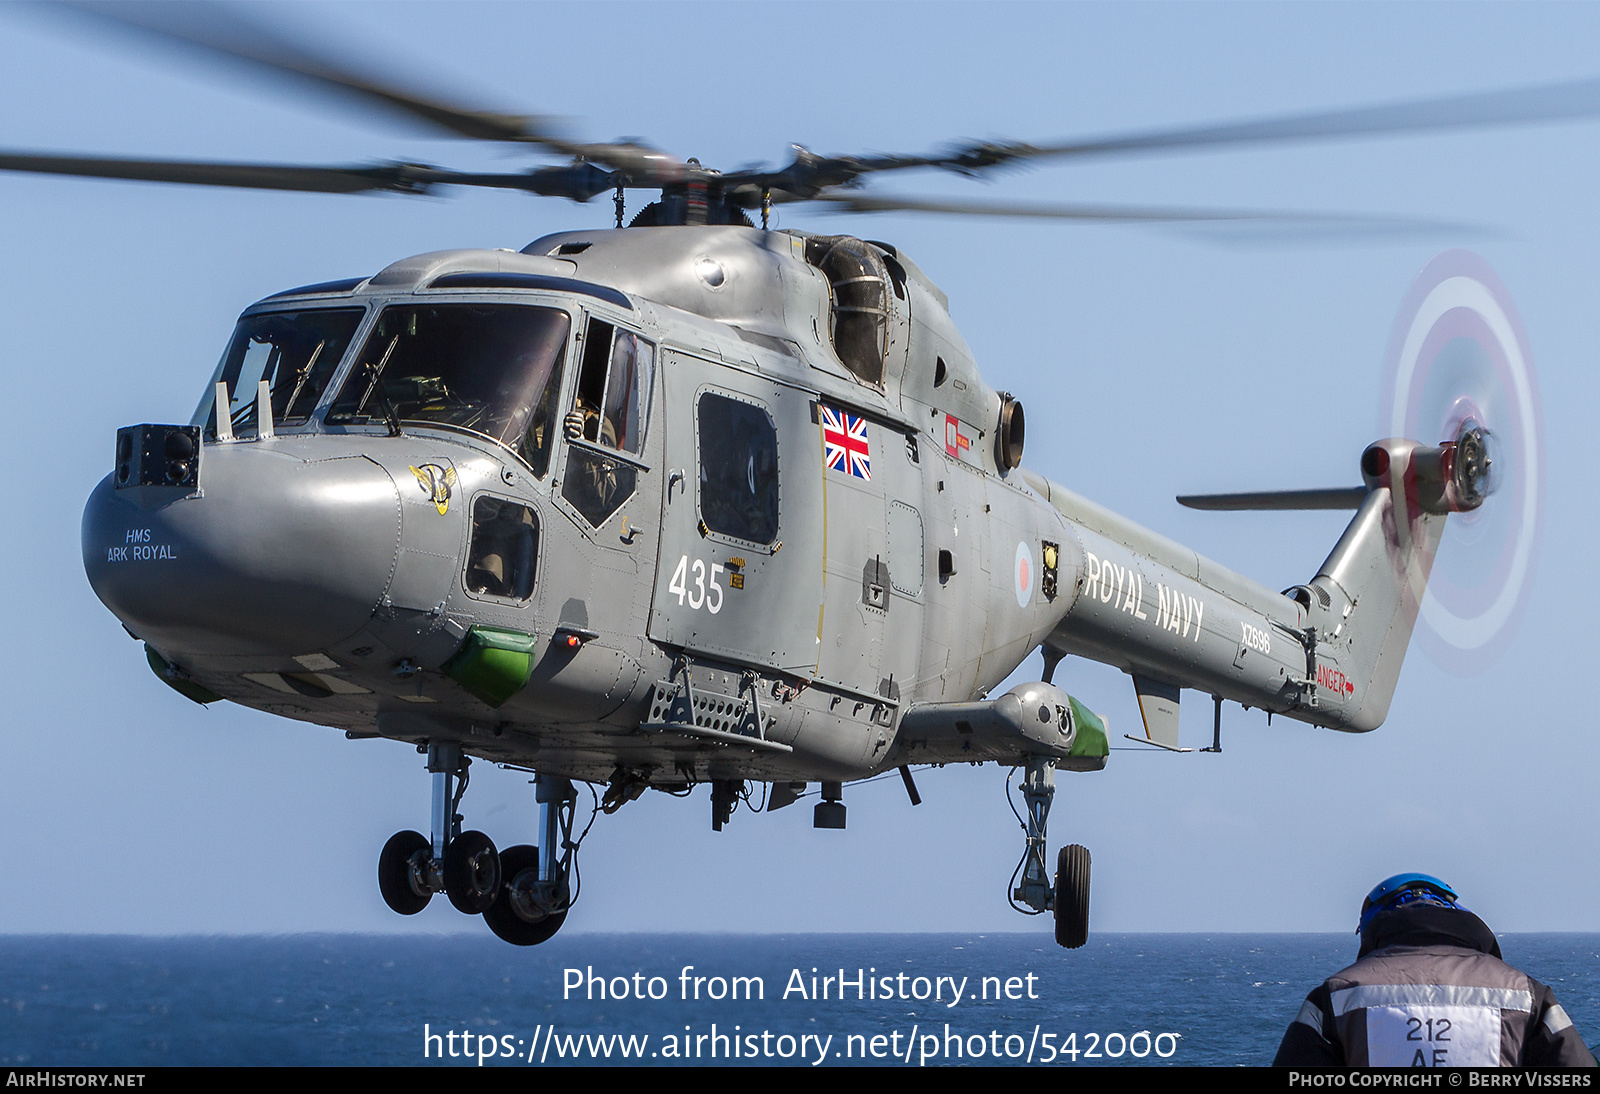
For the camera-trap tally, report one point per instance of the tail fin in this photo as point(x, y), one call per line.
point(1362, 606)
point(1364, 601)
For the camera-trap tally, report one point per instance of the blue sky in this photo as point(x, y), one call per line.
point(1152, 362)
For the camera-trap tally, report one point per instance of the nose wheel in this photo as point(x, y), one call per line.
point(403, 872)
point(471, 872)
point(522, 892)
point(409, 875)
point(463, 865)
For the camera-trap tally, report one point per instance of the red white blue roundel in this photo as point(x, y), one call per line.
point(844, 442)
point(1022, 575)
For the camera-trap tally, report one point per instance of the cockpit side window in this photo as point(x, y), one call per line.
point(505, 548)
point(613, 402)
point(610, 410)
point(738, 468)
point(295, 352)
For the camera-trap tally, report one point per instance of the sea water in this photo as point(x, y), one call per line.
point(664, 1000)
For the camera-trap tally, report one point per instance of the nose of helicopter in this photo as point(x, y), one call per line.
point(274, 554)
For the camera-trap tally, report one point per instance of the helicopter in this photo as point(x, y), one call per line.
point(675, 323)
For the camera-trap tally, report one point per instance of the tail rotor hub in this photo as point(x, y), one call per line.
point(1472, 465)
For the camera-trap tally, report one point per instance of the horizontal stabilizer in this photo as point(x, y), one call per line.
point(1336, 498)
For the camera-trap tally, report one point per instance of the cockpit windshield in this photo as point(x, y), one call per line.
point(492, 368)
point(295, 352)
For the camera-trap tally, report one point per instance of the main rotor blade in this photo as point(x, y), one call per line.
point(1335, 498)
point(255, 176)
point(401, 178)
point(852, 202)
point(1550, 102)
point(222, 31)
point(219, 30)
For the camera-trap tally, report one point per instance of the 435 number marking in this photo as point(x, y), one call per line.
point(694, 585)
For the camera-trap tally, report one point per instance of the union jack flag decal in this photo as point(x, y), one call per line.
point(844, 443)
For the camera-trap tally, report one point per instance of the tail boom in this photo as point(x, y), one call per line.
point(1328, 652)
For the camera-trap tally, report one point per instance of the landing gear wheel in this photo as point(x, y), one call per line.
point(471, 872)
point(510, 917)
point(1072, 896)
point(397, 872)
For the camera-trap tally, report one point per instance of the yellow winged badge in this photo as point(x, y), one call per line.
point(436, 482)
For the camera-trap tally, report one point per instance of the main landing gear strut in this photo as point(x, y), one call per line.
point(536, 895)
point(522, 894)
point(1068, 897)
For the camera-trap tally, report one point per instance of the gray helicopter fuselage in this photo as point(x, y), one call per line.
point(719, 537)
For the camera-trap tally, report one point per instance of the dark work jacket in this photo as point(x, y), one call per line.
point(1429, 990)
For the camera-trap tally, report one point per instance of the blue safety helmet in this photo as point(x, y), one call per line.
point(1405, 889)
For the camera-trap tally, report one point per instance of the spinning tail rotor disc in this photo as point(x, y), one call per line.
point(1458, 362)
